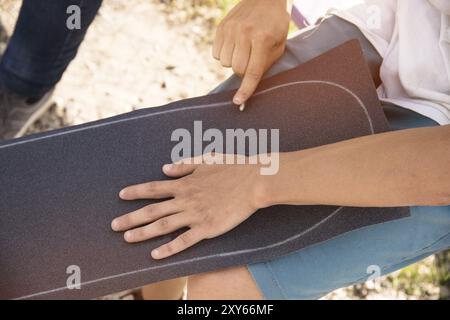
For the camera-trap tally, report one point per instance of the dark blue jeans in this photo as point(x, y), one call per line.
point(42, 46)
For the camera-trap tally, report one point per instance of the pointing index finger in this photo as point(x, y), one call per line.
point(253, 74)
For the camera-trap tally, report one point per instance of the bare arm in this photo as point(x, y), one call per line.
point(409, 167)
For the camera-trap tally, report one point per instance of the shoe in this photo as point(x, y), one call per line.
point(3, 38)
point(18, 113)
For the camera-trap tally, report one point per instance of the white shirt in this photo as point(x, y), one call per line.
point(413, 37)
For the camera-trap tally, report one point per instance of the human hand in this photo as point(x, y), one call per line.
point(250, 39)
point(210, 199)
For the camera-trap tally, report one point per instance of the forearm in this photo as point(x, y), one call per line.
point(410, 167)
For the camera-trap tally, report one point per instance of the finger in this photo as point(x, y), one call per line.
point(180, 243)
point(253, 73)
point(149, 190)
point(241, 56)
point(158, 228)
point(145, 215)
point(220, 32)
point(179, 170)
point(218, 42)
point(226, 53)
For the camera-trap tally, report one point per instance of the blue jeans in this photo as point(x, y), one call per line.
point(42, 45)
point(347, 259)
point(352, 257)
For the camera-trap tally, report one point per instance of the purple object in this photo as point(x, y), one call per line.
point(298, 18)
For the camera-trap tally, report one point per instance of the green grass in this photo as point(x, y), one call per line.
point(412, 278)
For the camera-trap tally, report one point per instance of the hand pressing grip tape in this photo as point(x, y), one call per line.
point(59, 190)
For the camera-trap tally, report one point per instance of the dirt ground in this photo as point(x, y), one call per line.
point(133, 56)
point(141, 53)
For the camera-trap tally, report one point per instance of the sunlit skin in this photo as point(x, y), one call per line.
point(250, 39)
point(196, 201)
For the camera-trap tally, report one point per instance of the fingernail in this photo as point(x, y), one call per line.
point(238, 99)
point(127, 235)
point(115, 225)
point(168, 167)
point(122, 193)
point(155, 253)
